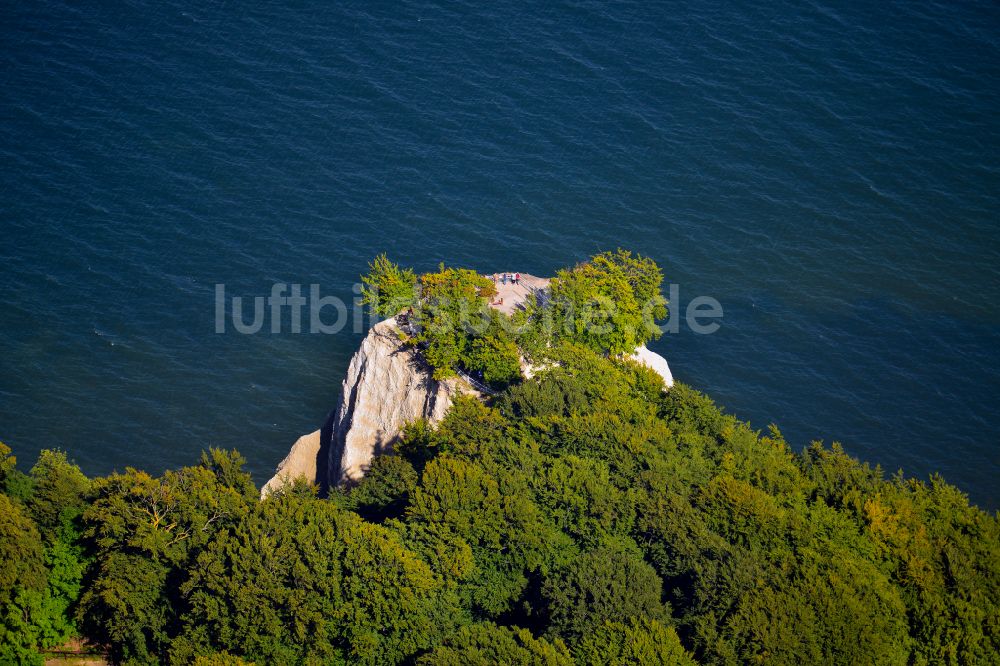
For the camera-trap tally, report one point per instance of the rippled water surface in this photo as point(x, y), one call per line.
point(828, 171)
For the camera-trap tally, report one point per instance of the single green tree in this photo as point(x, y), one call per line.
point(59, 491)
point(452, 311)
point(387, 289)
point(385, 490)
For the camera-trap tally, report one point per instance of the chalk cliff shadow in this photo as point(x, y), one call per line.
point(381, 447)
point(326, 444)
point(428, 384)
point(535, 296)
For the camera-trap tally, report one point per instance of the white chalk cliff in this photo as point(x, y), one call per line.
point(387, 386)
point(301, 461)
point(656, 363)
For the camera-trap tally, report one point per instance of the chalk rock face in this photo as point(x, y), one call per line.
point(387, 386)
point(655, 362)
point(301, 461)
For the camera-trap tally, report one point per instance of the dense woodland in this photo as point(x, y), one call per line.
point(583, 516)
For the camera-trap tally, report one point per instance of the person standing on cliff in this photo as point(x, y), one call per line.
point(517, 278)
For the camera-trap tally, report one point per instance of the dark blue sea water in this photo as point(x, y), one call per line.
point(828, 171)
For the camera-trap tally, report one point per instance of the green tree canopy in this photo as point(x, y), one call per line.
point(20, 550)
point(608, 584)
point(586, 505)
point(59, 491)
point(453, 311)
point(487, 644)
point(639, 641)
point(609, 303)
point(387, 288)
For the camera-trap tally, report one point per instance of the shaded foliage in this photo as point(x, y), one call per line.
point(610, 584)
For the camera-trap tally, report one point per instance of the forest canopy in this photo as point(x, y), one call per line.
point(583, 516)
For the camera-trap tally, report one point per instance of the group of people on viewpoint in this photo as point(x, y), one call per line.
point(504, 278)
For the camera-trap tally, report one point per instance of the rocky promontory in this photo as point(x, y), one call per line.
point(388, 385)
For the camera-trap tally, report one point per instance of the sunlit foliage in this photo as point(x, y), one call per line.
point(585, 515)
